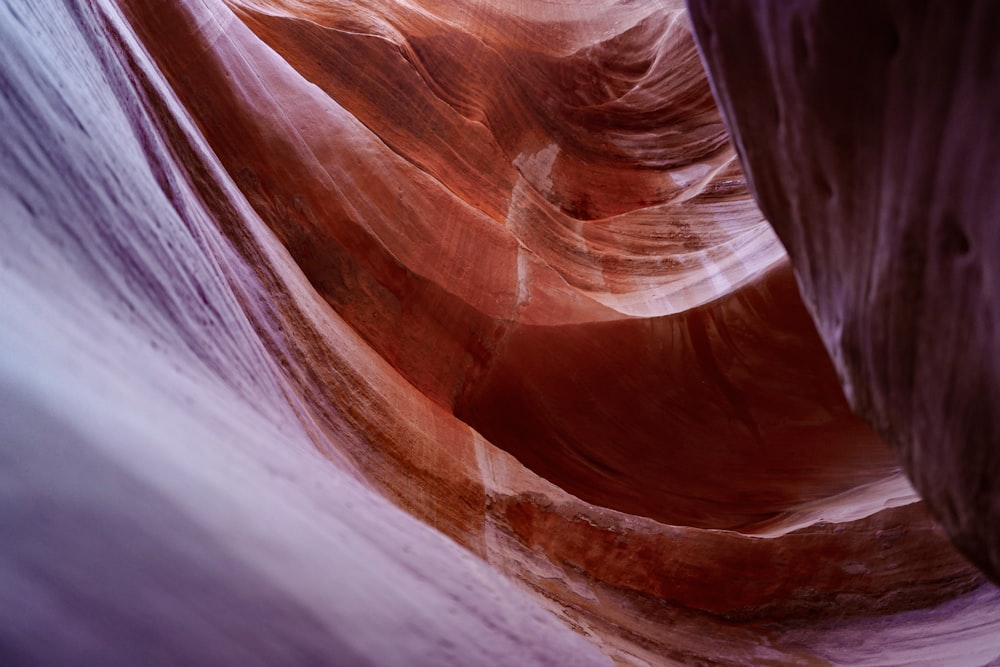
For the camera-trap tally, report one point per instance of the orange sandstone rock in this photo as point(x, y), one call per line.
point(271, 265)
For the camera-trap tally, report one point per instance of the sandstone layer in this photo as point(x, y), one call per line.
point(876, 160)
point(425, 333)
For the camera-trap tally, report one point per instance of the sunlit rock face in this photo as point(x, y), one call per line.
point(877, 162)
point(426, 333)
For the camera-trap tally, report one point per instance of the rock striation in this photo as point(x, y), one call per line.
point(425, 333)
point(875, 161)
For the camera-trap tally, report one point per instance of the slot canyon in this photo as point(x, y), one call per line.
point(499, 332)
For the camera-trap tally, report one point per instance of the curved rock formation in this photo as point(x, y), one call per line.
point(421, 333)
point(876, 162)
point(557, 297)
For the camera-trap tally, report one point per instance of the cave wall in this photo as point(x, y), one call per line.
point(875, 159)
point(424, 333)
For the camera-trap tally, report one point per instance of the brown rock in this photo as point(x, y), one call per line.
point(275, 269)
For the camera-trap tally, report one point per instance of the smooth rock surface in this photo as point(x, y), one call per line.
point(876, 160)
point(416, 333)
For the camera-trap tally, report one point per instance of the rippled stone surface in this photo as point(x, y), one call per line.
point(422, 333)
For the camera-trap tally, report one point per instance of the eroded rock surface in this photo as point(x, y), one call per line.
point(875, 158)
point(421, 333)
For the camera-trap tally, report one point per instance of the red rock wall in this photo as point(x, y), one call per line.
point(272, 266)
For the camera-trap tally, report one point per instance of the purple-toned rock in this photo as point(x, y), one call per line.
point(870, 135)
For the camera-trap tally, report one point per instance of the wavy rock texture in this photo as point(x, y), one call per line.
point(879, 158)
point(421, 333)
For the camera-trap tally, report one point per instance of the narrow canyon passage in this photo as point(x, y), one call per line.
point(425, 333)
